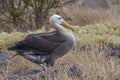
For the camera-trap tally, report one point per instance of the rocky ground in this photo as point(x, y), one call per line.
point(71, 71)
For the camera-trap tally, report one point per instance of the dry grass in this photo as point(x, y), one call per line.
point(93, 64)
point(85, 15)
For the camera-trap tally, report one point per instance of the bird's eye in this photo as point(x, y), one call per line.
point(59, 18)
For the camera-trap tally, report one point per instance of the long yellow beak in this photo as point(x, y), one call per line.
point(66, 25)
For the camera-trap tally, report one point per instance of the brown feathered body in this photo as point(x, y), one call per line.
point(50, 43)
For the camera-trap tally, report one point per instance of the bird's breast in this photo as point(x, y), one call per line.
point(69, 35)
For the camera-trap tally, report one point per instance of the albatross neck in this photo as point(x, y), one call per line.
point(64, 31)
point(60, 28)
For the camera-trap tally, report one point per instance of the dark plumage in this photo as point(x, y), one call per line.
point(42, 43)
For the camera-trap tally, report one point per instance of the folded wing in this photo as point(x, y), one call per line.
point(42, 43)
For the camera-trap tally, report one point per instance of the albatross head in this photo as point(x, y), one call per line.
point(63, 27)
point(59, 23)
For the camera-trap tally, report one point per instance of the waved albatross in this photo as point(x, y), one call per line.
point(45, 48)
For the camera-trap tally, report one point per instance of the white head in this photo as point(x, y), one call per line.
point(56, 19)
point(63, 27)
point(59, 23)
